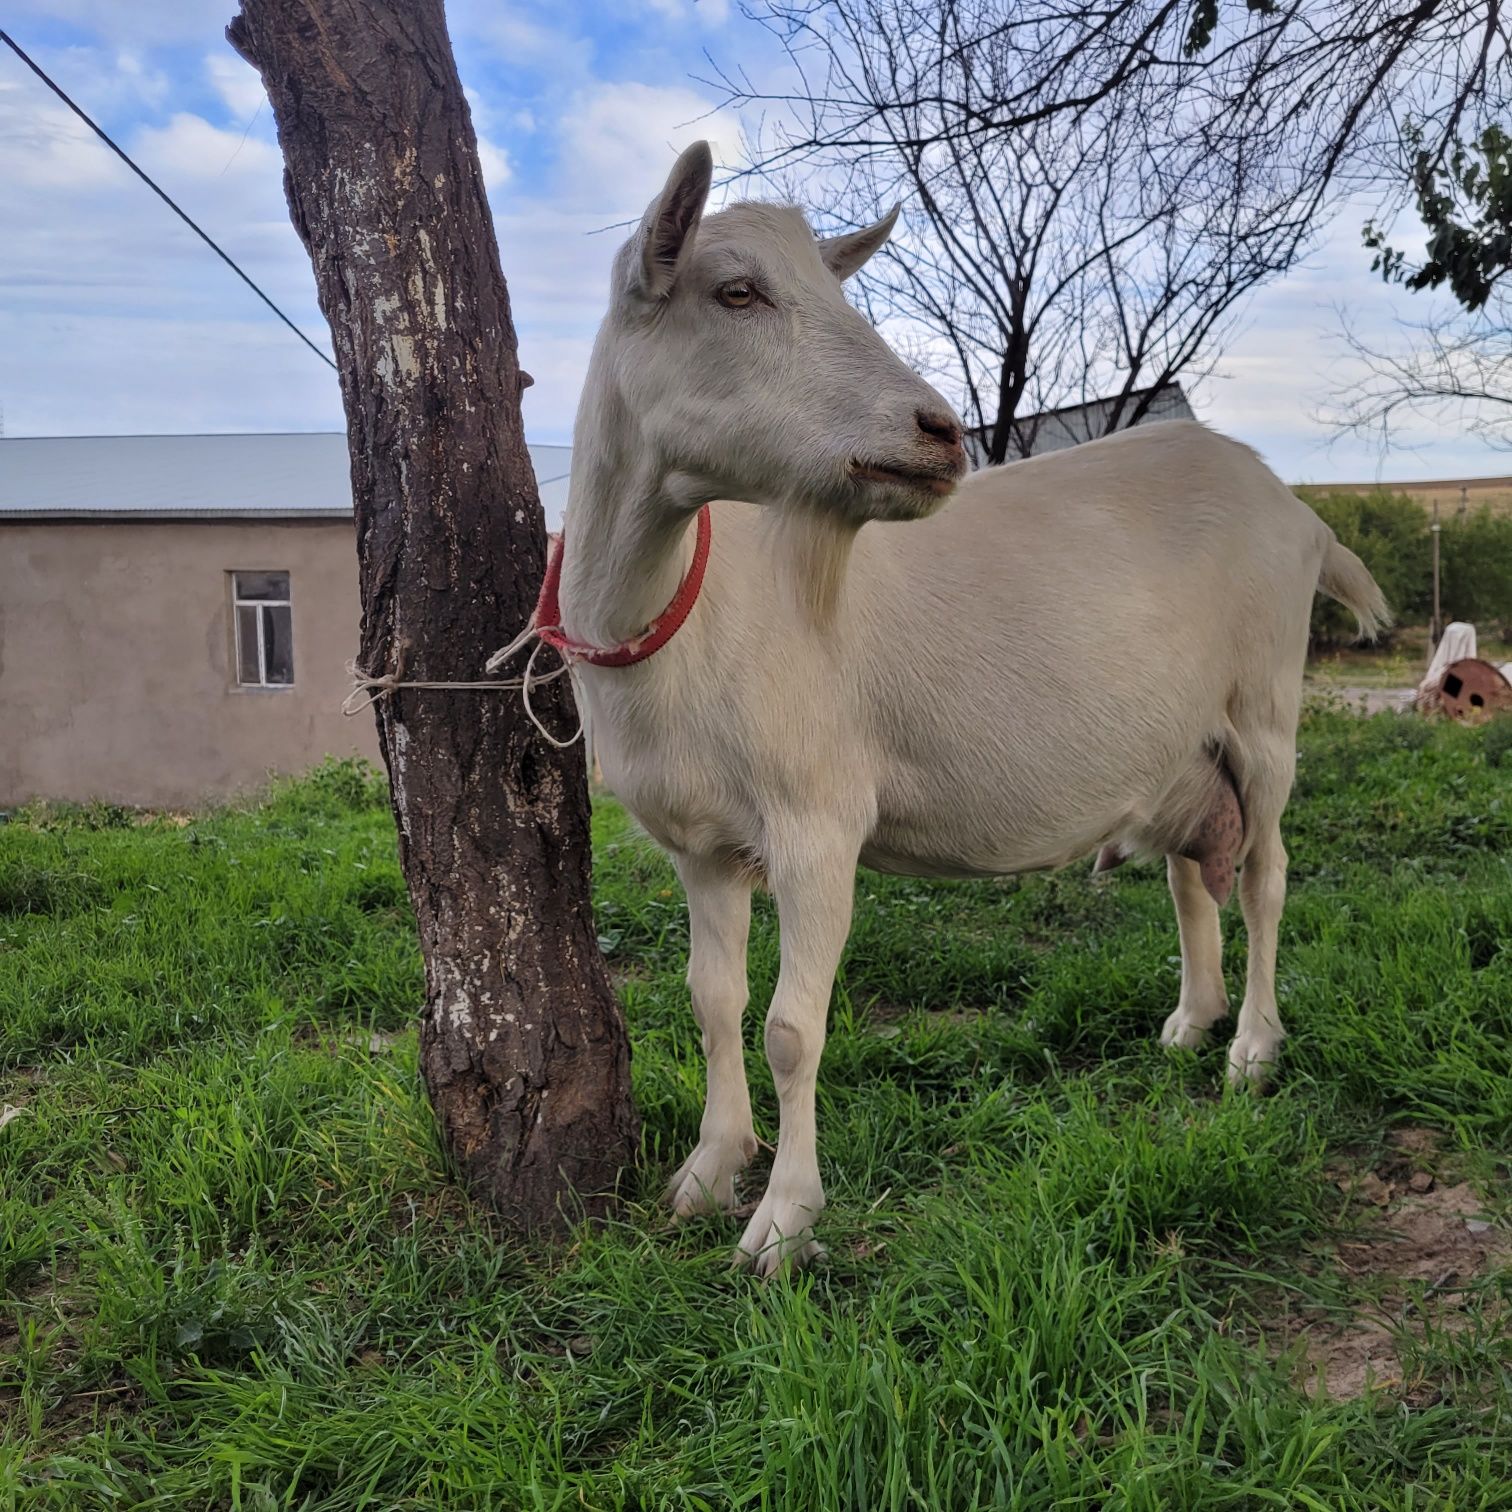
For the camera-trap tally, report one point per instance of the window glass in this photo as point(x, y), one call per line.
point(248, 661)
point(278, 644)
point(262, 585)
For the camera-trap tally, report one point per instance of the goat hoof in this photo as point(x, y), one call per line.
point(1186, 1030)
point(1252, 1058)
point(705, 1181)
point(779, 1237)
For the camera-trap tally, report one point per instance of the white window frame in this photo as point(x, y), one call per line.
point(238, 603)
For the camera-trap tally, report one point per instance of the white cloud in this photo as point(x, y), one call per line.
point(557, 51)
point(710, 12)
point(492, 157)
point(113, 315)
point(99, 372)
point(106, 81)
point(619, 141)
point(144, 24)
point(43, 144)
point(497, 169)
point(237, 83)
point(189, 148)
point(134, 77)
point(615, 144)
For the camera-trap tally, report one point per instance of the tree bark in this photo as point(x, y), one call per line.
point(523, 1046)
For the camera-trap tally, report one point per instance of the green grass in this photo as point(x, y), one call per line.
point(235, 1274)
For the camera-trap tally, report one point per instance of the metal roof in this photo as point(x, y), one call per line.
point(289, 475)
point(1072, 424)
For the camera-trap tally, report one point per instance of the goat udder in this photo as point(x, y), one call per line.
point(1214, 844)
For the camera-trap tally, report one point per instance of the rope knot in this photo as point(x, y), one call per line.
point(366, 690)
point(544, 628)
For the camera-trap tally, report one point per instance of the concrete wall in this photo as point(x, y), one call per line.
point(117, 670)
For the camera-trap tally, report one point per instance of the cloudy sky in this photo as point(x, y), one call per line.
point(114, 318)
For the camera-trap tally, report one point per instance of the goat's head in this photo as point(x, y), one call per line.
point(746, 373)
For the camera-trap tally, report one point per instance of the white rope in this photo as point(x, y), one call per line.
point(507, 653)
point(366, 690)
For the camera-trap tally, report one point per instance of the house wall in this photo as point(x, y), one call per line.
point(117, 671)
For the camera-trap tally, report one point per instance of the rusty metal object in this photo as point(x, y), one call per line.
point(1472, 689)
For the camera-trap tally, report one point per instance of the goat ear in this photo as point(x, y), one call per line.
point(671, 219)
point(847, 254)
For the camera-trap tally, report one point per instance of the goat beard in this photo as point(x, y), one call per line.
point(811, 550)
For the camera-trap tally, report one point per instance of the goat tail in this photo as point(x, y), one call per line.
point(1346, 579)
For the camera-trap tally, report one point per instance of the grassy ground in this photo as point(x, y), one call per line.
point(1065, 1270)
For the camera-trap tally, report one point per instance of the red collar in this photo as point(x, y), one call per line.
point(547, 618)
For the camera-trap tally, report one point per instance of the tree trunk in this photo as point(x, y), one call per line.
point(523, 1047)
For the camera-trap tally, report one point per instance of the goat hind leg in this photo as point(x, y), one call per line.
point(719, 922)
point(1203, 999)
point(1262, 891)
point(1269, 756)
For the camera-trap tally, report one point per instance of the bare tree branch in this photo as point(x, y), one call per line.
point(1455, 367)
point(1089, 192)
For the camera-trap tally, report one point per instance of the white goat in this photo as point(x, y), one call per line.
point(1101, 648)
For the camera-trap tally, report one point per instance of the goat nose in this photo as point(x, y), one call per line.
point(939, 426)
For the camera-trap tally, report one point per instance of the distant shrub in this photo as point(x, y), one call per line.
point(1389, 533)
point(346, 782)
point(1475, 568)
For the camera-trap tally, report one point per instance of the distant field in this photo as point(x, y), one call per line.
point(1449, 493)
point(1400, 666)
point(1066, 1270)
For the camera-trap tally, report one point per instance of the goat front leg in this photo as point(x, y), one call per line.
point(814, 913)
point(719, 923)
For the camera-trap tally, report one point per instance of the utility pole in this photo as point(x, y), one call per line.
point(1436, 627)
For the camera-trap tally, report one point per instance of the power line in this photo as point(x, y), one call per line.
point(204, 236)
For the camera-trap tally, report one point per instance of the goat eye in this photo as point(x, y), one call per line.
point(735, 295)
